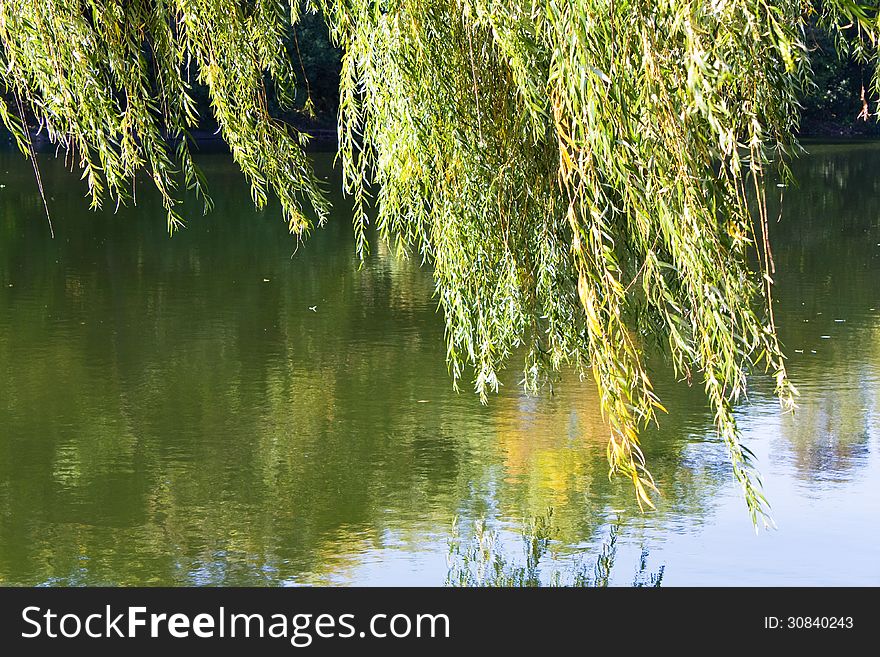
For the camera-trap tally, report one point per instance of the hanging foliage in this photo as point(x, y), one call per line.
point(586, 177)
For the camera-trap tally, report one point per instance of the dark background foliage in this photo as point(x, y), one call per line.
point(832, 106)
point(317, 64)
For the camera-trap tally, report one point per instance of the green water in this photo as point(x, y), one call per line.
point(221, 407)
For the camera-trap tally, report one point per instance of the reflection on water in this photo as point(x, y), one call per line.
point(829, 258)
point(222, 408)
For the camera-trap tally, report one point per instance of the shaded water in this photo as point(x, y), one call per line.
point(173, 411)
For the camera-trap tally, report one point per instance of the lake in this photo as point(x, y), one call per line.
point(225, 406)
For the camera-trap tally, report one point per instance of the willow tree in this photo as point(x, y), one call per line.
point(585, 177)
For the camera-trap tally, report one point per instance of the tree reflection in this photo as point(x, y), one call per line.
point(827, 271)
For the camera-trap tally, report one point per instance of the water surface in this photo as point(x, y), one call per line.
point(222, 407)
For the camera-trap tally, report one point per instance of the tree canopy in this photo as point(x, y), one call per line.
point(586, 177)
